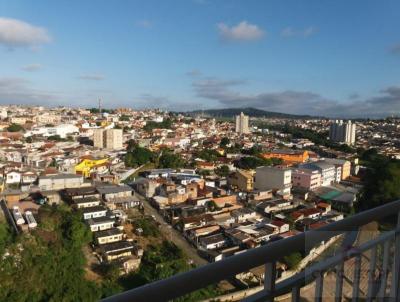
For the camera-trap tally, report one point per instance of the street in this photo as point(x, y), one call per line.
point(171, 234)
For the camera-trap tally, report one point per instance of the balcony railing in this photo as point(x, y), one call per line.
point(376, 261)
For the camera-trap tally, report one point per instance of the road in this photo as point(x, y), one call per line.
point(172, 234)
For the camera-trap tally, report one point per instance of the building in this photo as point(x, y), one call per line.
point(289, 156)
point(100, 223)
point(94, 212)
point(107, 139)
point(329, 173)
point(275, 178)
point(241, 180)
point(60, 181)
point(108, 236)
point(242, 123)
point(343, 132)
point(306, 178)
point(344, 165)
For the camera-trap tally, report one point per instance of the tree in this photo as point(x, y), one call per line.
point(224, 142)
point(15, 128)
point(137, 156)
point(208, 154)
point(382, 182)
point(251, 162)
point(51, 263)
point(293, 260)
point(124, 118)
point(222, 171)
point(170, 160)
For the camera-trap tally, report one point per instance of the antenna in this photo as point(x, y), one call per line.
point(100, 105)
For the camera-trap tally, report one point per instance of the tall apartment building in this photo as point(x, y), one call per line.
point(107, 139)
point(343, 132)
point(242, 123)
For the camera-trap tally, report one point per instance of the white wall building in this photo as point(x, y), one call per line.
point(275, 178)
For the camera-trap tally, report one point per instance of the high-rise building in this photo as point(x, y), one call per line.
point(107, 139)
point(242, 123)
point(343, 132)
point(98, 141)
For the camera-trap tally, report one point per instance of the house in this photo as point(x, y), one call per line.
point(28, 177)
point(146, 187)
point(78, 193)
point(109, 192)
point(108, 236)
point(86, 202)
point(123, 203)
point(241, 180)
point(213, 242)
point(243, 214)
point(60, 181)
point(188, 223)
point(116, 250)
point(281, 225)
point(94, 212)
point(325, 207)
point(100, 223)
point(13, 177)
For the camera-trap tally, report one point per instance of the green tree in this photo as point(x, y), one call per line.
point(293, 260)
point(208, 154)
point(224, 142)
point(15, 128)
point(170, 160)
point(222, 171)
point(137, 156)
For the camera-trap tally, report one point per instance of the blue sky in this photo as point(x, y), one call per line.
point(336, 58)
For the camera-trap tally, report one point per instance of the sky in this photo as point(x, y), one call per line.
point(334, 58)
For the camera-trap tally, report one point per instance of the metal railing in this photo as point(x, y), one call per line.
point(382, 274)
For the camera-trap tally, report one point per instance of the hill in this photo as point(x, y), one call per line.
point(253, 112)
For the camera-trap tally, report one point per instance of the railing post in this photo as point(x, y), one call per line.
point(319, 287)
point(384, 271)
point(269, 280)
point(339, 281)
point(394, 289)
point(371, 274)
point(356, 279)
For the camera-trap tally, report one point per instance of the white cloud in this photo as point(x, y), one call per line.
point(92, 77)
point(16, 33)
point(289, 32)
point(31, 67)
point(244, 31)
point(144, 23)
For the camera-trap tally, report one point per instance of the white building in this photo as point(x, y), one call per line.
point(274, 178)
point(329, 173)
point(242, 123)
point(62, 130)
point(343, 132)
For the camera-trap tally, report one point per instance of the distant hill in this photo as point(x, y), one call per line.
point(253, 112)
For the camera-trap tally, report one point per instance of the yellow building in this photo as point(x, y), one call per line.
point(86, 166)
point(242, 180)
